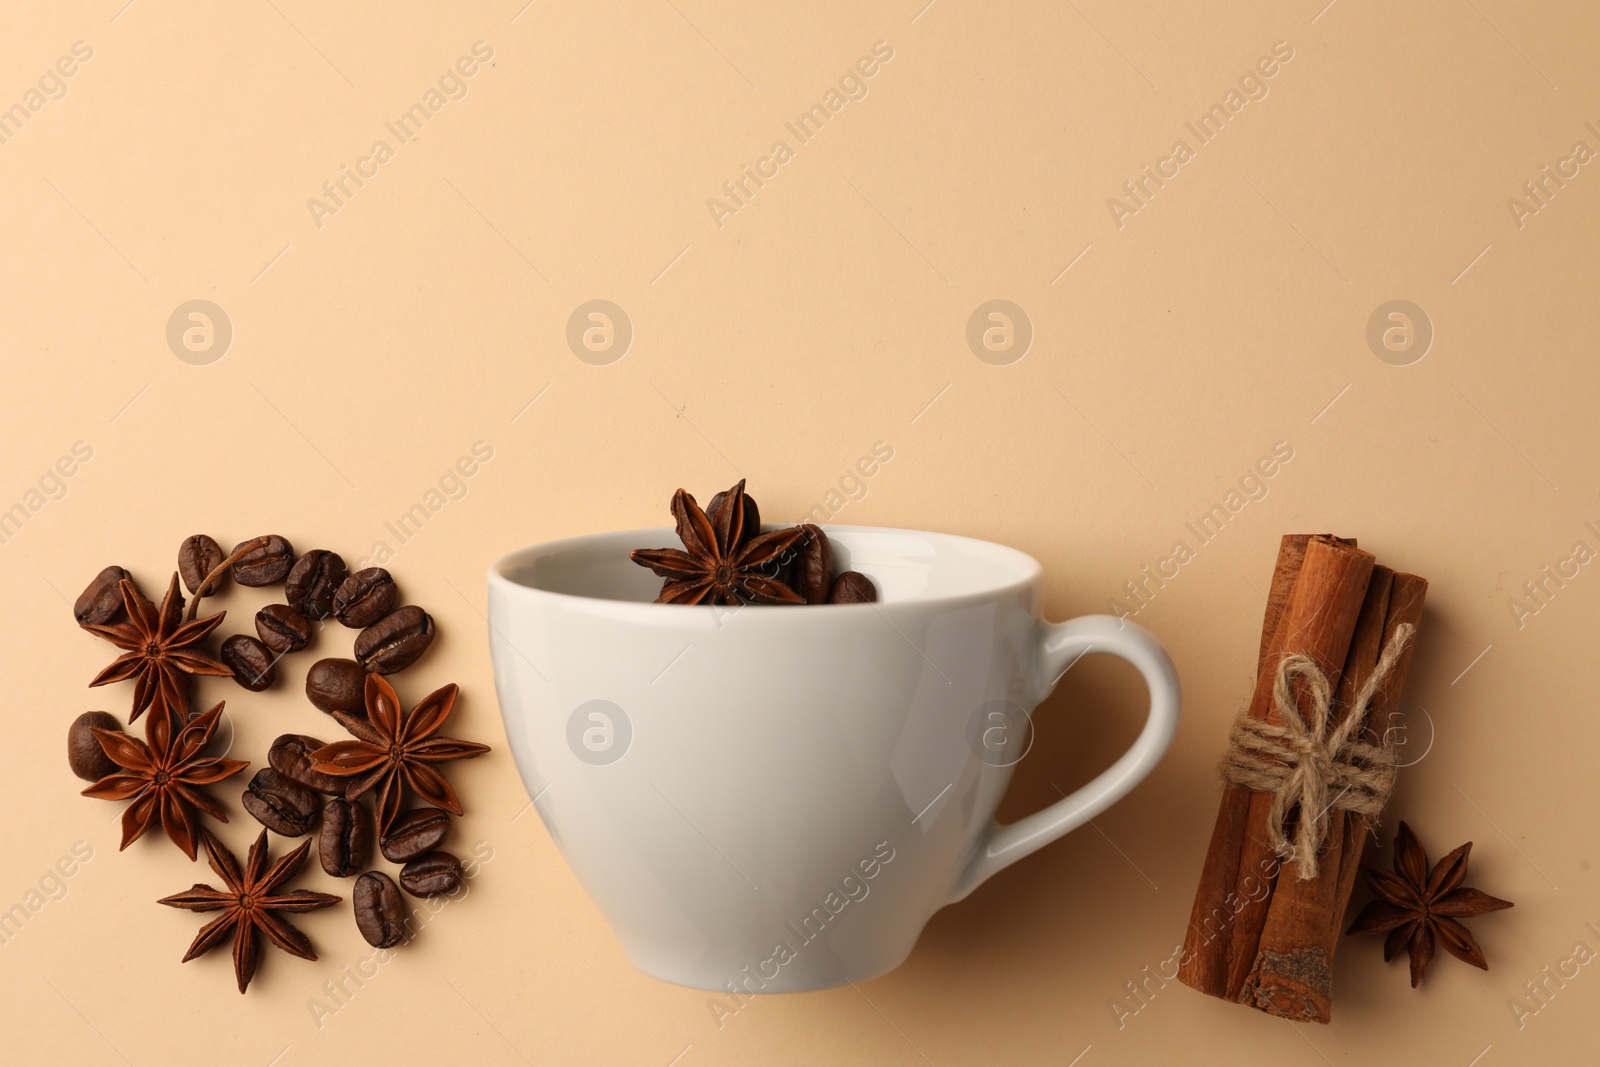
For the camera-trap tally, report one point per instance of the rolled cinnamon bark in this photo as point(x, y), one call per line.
point(1292, 976)
point(1317, 619)
point(1204, 963)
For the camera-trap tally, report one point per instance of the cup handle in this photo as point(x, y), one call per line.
point(1060, 645)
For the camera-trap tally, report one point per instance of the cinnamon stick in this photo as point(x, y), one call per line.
point(1317, 619)
point(1292, 976)
point(1204, 962)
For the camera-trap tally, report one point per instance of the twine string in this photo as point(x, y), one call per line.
point(1306, 766)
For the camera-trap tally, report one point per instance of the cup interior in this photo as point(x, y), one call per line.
point(905, 565)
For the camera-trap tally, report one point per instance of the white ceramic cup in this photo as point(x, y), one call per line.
point(770, 799)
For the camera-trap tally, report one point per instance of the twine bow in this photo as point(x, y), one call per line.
point(1302, 762)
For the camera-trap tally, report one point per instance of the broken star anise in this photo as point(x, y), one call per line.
point(251, 905)
point(724, 559)
point(1418, 908)
point(163, 775)
point(393, 750)
point(159, 648)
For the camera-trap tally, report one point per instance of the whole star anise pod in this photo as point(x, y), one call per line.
point(394, 750)
point(251, 905)
point(1418, 908)
point(724, 560)
point(163, 774)
point(159, 649)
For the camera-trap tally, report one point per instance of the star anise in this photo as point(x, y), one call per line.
point(250, 904)
point(163, 775)
point(725, 559)
point(159, 648)
point(394, 750)
point(1418, 908)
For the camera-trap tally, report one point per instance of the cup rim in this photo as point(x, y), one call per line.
point(1031, 572)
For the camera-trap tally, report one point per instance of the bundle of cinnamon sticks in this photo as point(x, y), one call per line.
point(1261, 933)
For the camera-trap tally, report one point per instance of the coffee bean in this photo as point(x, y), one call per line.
point(394, 642)
point(365, 597)
point(267, 565)
point(432, 875)
point(852, 587)
point(250, 661)
point(198, 556)
point(816, 565)
point(415, 833)
point(101, 601)
point(337, 685)
point(314, 579)
point(380, 911)
point(84, 754)
point(344, 844)
point(280, 804)
point(290, 756)
point(282, 628)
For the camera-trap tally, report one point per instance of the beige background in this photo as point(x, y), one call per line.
point(1227, 314)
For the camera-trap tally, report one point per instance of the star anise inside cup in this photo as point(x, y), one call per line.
point(1418, 908)
point(725, 558)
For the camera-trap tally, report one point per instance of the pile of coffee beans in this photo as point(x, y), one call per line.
point(317, 586)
